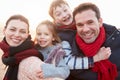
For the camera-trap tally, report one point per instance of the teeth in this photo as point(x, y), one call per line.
point(42, 42)
point(87, 35)
point(16, 40)
point(66, 19)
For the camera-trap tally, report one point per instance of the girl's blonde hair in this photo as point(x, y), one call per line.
point(52, 28)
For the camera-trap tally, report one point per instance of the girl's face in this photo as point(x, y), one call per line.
point(44, 36)
point(63, 15)
point(16, 32)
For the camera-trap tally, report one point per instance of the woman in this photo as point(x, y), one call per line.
point(16, 45)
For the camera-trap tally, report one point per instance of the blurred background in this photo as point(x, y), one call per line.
point(37, 10)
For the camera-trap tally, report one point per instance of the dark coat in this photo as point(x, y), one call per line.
point(67, 35)
point(112, 41)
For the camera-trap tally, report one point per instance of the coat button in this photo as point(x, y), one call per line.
point(118, 32)
point(113, 38)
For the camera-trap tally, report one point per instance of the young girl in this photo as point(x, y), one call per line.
point(48, 43)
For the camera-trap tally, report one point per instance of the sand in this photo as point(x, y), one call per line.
point(2, 67)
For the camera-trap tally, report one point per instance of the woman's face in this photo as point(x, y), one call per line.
point(16, 32)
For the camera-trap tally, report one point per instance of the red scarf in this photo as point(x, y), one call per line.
point(13, 55)
point(105, 69)
point(71, 26)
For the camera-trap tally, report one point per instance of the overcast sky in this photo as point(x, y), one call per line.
point(37, 10)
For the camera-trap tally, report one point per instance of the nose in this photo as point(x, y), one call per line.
point(64, 14)
point(17, 33)
point(86, 28)
point(42, 36)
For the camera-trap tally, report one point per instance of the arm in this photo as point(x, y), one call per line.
point(75, 62)
point(102, 54)
point(84, 62)
point(61, 71)
point(28, 67)
point(33, 68)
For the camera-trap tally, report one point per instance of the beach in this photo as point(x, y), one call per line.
point(2, 67)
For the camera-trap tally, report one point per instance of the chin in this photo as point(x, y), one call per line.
point(14, 45)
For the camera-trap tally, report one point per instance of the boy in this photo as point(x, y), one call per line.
point(63, 18)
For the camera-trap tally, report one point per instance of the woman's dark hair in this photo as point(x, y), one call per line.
point(17, 17)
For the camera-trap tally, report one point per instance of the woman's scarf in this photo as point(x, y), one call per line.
point(13, 55)
point(105, 69)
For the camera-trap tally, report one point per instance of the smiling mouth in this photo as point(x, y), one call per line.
point(15, 40)
point(88, 35)
point(42, 42)
point(67, 19)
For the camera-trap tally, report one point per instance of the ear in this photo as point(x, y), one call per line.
point(100, 22)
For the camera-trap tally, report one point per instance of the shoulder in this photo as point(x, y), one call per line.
point(33, 60)
point(28, 66)
point(65, 44)
point(110, 29)
point(62, 45)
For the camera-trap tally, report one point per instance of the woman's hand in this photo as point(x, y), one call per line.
point(39, 74)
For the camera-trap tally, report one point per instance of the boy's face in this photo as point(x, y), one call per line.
point(63, 15)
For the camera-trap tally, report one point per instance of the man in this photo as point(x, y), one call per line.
point(63, 18)
point(91, 35)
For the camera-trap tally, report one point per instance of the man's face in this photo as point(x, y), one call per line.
point(63, 15)
point(88, 26)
